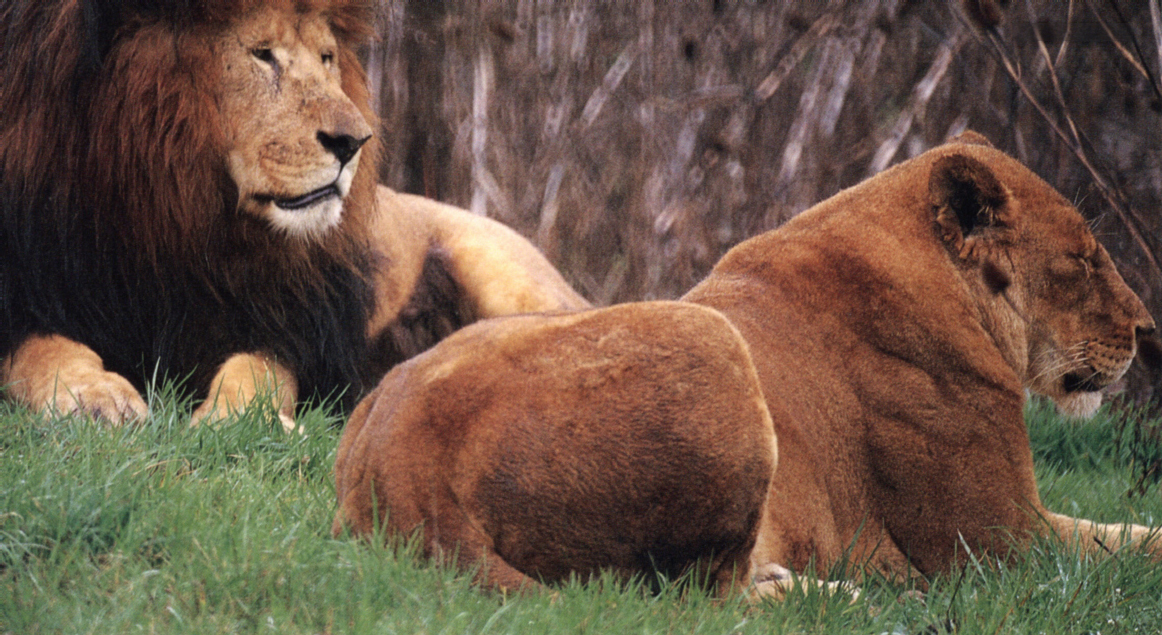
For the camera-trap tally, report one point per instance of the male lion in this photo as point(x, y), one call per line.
point(895, 328)
point(187, 191)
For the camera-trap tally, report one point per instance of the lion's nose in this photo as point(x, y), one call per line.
point(343, 146)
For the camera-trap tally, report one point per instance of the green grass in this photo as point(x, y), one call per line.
point(167, 529)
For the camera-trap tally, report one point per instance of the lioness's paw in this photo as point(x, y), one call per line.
point(771, 572)
point(772, 581)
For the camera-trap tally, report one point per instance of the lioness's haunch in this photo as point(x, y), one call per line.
point(899, 324)
point(187, 192)
point(632, 438)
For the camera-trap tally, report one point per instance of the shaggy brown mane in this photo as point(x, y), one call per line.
point(118, 224)
point(155, 109)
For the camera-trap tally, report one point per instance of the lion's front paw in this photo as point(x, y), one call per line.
point(102, 395)
point(213, 411)
point(243, 381)
point(54, 373)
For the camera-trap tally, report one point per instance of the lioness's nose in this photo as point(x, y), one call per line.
point(343, 146)
point(1145, 324)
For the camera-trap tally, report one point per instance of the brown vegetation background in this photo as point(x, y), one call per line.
point(635, 141)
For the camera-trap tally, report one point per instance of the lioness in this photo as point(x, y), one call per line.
point(894, 329)
point(898, 324)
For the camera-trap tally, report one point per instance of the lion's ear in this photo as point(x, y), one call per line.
point(104, 19)
point(966, 196)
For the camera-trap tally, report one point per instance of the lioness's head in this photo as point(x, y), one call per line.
point(293, 135)
point(1055, 291)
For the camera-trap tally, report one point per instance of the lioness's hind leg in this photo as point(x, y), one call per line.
point(498, 575)
point(54, 373)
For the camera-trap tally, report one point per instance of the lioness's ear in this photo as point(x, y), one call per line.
point(966, 196)
point(972, 137)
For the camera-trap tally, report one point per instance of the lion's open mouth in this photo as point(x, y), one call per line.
point(308, 199)
point(1081, 381)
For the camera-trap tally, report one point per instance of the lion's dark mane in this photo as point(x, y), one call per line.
point(118, 226)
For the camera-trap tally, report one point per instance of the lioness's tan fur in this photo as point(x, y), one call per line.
point(894, 330)
point(899, 324)
point(632, 438)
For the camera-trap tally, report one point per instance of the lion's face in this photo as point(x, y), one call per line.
point(293, 135)
point(1079, 321)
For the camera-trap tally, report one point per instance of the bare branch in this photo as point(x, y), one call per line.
point(1117, 43)
point(1044, 50)
point(550, 206)
point(839, 88)
point(820, 28)
point(1137, 48)
point(1065, 38)
point(612, 80)
point(484, 185)
point(1156, 22)
point(545, 35)
point(918, 102)
point(807, 114)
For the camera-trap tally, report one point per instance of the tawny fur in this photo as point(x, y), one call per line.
point(633, 439)
point(894, 330)
point(155, 164)
point(898, 325)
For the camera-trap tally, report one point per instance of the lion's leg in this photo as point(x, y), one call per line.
point(52, 372)
point(501, 272)
point(1097, 538)
point(245, 378)
point(455, 539)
